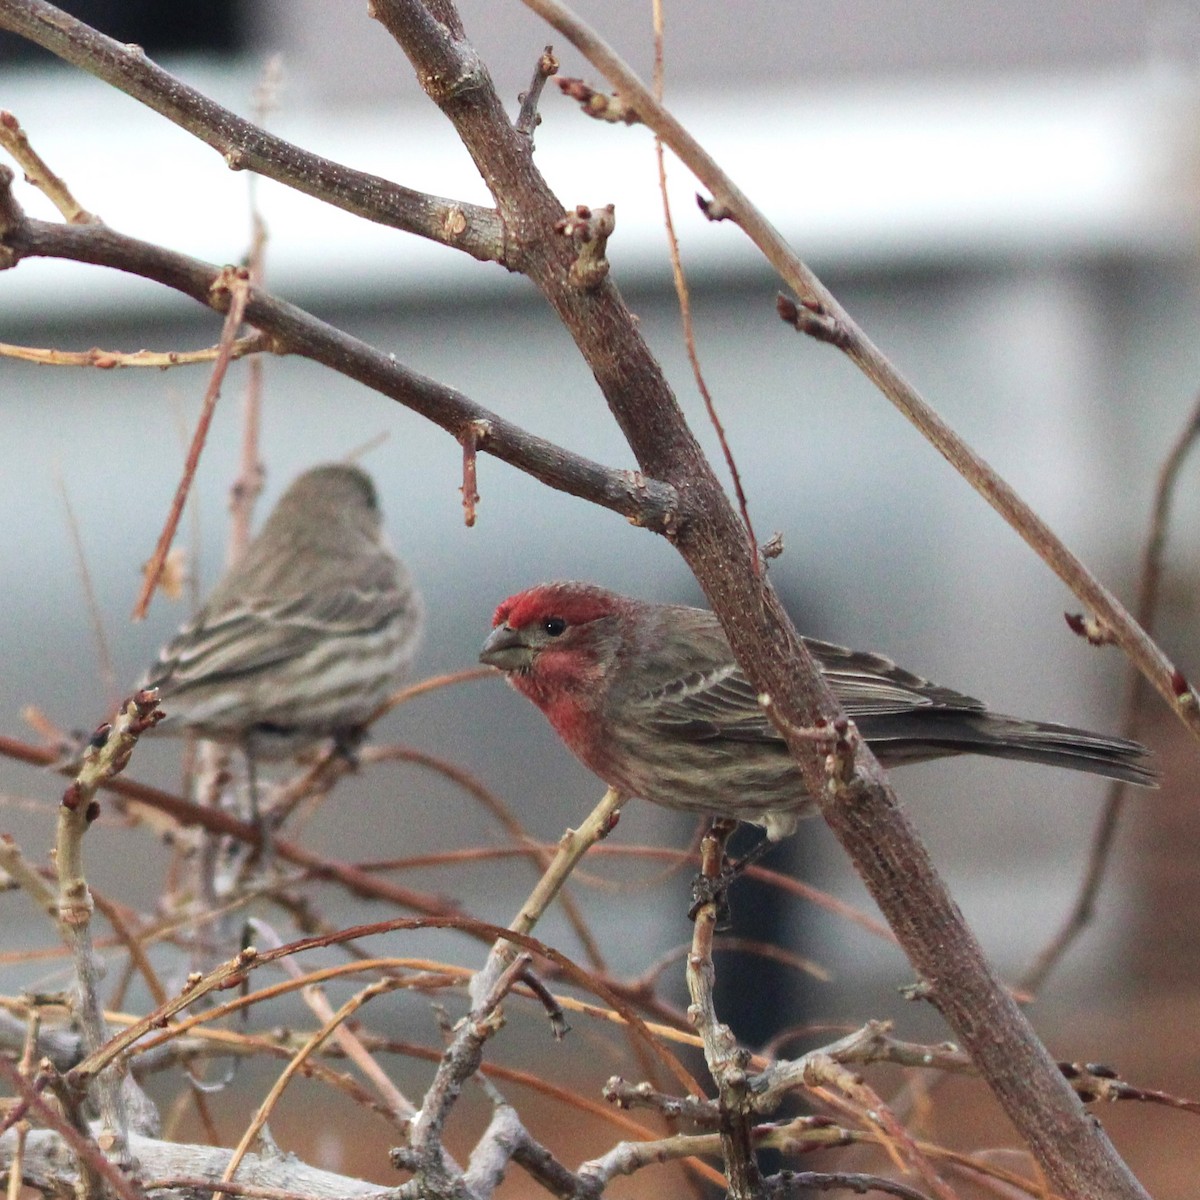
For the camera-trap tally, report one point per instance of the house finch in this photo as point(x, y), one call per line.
point(649, 696)
point(305, 636)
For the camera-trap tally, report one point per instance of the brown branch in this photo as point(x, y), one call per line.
point(684, 298)
point(15, 140)
point(528, 119)
point(104, 660)
point(727, 1062)
point(213, 820)
point(829, 321)
point(472, 437)
point(109, 360)
point(864, 814)
point(246, 147)
point(91, 1160)
point(642, 500)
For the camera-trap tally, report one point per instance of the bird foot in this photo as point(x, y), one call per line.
point(714, 889)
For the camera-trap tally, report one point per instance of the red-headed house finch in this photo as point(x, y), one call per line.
point(305, 636)
point(650, 698)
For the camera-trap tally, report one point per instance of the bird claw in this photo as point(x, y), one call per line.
point(714, 889)
point(347, 743)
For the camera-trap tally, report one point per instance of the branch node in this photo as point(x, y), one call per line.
point(712, 208)
point(590, 230)
point(1090, 627)
point(811, 317)
point(228, 280)
point(603, 106)
point(528, 119)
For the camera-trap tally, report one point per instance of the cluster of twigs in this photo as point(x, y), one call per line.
point(74, 1050)
point(674, 493)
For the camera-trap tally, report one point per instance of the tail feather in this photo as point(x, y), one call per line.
point(917, 737)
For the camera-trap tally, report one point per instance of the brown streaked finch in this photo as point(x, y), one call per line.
point(650, 698)
point(305, 636)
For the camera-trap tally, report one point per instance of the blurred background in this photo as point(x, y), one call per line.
point(1004, 195)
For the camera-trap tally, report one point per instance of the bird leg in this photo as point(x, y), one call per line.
point(711, 886)
point(262, 853)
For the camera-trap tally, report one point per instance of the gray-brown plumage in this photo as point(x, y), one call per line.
point(649, 696)
point(305, 636)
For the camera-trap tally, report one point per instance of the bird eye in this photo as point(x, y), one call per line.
point(554, 626)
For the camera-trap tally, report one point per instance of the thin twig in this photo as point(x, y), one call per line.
point(234, 284)
point(267, 1106)
point(573, 845)
point(684, 298)
point(528, 119)
point(472, 436)
point(91, 1159)
point(110, 360)
point(350, 1044)
point(1104, 836)
point(104, 661)
point(249, 482)
point(14, 139)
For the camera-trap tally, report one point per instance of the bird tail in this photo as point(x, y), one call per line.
point(998, 736)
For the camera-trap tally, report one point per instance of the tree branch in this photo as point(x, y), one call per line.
point(864, 813)
point(862, 810)
point(822, 316)
point(246, 147)
point(641, 500)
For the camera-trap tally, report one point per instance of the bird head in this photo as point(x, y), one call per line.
point(555, 639)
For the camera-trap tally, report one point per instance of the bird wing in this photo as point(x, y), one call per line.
point(720, 703)
point(251, 635)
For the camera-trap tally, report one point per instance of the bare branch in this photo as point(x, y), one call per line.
point(829, 320)
point(642, 500)
point(15, 140)
point(246, 147)
point(236, 283)
point(528, 119)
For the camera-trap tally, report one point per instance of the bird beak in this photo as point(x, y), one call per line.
point(506, 649)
